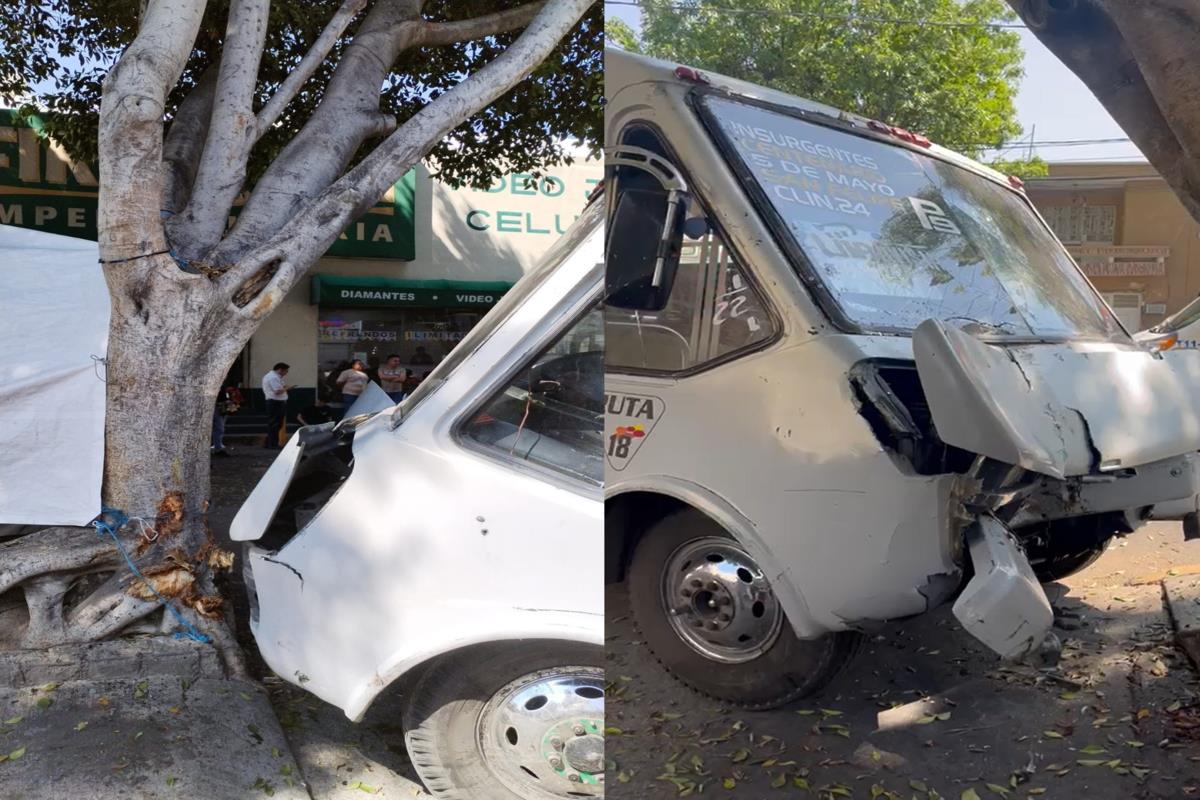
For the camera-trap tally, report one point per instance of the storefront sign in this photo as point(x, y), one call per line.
point(434, 336)
point(1132, 251)
point(354, 334)
point(1120, 260)
point(549, 196)
point(335, 291)
point(1122, 269)
point(42, 188)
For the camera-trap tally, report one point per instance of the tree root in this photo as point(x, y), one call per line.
point(51, 566)
point(54, 550)
point(222, 636)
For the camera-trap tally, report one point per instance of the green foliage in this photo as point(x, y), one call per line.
point(954, 83)
point(54, 55)
point(616, 32)
point(1022, 167)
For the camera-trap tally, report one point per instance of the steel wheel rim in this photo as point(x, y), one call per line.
point(542, 735)
point(719, 602)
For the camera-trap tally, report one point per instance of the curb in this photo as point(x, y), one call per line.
point(1183, 602)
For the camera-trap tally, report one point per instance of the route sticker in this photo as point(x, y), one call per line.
point(629, 419)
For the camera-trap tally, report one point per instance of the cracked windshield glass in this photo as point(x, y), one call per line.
point(897, 237)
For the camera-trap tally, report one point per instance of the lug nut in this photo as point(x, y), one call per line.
point(556, 762)
point(698, 623)
point(556, 743)
point(573, 778)
point(723, 600)
point(687, 593)
point(713, 626)
point(696, 584)
point(724, 617)
point(579, 730)
point(713, 586)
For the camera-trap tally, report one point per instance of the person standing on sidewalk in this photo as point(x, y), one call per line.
point(276, 392)
point(392, 377)
point(229, 400)
point(352, 382)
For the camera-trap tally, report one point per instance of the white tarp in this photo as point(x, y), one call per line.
point(54, 312)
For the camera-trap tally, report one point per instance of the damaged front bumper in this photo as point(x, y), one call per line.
point(1055, 448)
point(1003, 605)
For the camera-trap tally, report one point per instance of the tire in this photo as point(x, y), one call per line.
point(466, 743)
point(780, 669)
point(1056, 568)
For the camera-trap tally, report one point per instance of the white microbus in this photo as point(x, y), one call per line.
point(851, 375)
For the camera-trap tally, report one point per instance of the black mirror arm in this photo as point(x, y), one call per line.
point(664, 242)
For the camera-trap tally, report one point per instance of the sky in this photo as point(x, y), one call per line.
point(1052, 104)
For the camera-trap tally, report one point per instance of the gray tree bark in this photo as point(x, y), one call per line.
point(187, 295)
point(1139, 60)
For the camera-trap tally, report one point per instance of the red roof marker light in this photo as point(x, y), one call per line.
point(897, 132)
point(689, 74)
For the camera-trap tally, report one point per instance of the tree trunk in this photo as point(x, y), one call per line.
point(165, 365)
point(175, 331)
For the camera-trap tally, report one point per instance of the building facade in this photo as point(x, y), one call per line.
point(1131, 236)
point(410, 277)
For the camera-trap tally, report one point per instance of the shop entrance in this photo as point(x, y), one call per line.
point(420, 336)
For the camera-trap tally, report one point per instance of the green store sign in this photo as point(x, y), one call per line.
point(336, 291)
point(42, 188)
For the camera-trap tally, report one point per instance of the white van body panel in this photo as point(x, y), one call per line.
point(433, 543)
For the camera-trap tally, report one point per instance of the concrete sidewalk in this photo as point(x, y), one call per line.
point(138, 719)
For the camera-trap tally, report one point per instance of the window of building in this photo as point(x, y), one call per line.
point(713, 310)
point(1078, 223)
point(420, 336)
point(552, 413)
point(1128, 308)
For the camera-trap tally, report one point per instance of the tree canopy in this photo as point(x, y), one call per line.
point(54, 55)
point(933, 66)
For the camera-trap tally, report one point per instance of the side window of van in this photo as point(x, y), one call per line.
point(552, 412)
point(712, 311)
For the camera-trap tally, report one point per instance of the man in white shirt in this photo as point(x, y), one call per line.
point(276, 392)
point(392, 377)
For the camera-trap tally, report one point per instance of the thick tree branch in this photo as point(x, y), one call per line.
point(436, 34)
point(308, 65)
point(185, 142)
point(1131, 62)
point(347, 115)
point(232, 131)
point(131, 119)
point(310, 233)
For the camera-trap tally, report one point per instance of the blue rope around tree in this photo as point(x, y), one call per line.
point(109, 522)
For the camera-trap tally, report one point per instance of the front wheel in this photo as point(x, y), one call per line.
point(709, 614)
point(520, 721)
point(1063, 565)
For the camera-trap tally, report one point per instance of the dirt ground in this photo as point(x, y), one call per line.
point(926, 712)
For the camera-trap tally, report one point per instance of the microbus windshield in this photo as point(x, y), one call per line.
point(894, 237)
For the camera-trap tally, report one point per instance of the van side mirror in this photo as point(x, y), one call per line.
point(645, 231)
